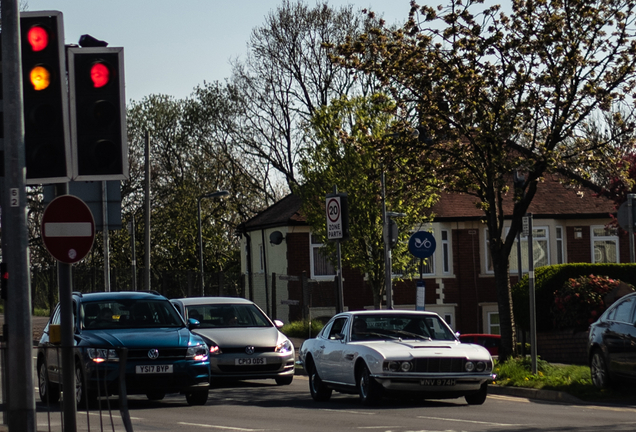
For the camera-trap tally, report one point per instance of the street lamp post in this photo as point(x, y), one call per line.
point(216, 194)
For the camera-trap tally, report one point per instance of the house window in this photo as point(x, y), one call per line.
point(493, 323)
point(445, 252)
point(559, 245)
point(540, 250)
point(604, 245)
point(412, 269)
point(321, 267)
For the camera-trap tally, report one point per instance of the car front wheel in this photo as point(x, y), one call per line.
point(83, 398)
point(49, 392)
point(479, 397)
point(197, 397)
point(319, 391)
point(370, 391)
point(598, 370)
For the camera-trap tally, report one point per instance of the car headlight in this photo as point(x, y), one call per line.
point(198, 352)
point(284, 347)
point(214, 349)
point(469, 366)
point(398, 366)
point(99, 355)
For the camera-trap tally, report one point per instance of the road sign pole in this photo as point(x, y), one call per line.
point(533, 313)
point(20, 406)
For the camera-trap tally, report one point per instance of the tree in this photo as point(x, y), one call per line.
point(497, 94)
point(287, 77)
point(346, 133)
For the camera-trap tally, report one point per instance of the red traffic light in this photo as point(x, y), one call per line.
point(100, 74)
point(38, 38)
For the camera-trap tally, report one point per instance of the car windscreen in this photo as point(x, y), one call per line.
point(227, 315)
point(129, 313)
point(407, 326)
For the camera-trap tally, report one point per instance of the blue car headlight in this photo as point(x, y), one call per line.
point(99, 355)
point(197, 352)
point(284, 347)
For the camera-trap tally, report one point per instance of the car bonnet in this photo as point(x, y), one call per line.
point(139, 337)
point(241, 336)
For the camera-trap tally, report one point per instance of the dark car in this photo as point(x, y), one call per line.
point(612, 344)
point(163, 356)
point(490, 341)
point(244, 343)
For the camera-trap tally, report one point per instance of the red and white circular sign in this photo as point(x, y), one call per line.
point(68, 229)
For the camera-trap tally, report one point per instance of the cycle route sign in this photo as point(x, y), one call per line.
point(422, 244)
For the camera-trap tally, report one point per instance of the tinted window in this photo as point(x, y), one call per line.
point(623, 312)
point(228, 315)
point(337, 327)
point(128, 313)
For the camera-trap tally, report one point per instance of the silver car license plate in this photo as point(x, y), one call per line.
point(437, 382)
point(153, 369)
point(250, 361)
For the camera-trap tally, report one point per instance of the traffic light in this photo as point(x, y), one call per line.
point(45, 95)
point(98, 113)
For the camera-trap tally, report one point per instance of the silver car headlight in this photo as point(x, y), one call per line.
point(284, 347)
point(99, 355)
point(198, 352)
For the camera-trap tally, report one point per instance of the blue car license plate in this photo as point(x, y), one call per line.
point(153, 369)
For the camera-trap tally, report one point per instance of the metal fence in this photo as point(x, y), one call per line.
point(105, 413)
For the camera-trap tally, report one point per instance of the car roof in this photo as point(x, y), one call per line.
point(133, 295)
point(488, 335)
point(189, 301)
point(389, 312)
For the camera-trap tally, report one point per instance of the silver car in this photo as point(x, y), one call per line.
point(244, 343)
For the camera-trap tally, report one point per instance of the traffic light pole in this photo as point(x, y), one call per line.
point(21, 400)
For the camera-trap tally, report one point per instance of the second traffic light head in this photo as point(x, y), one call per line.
point(98, 114)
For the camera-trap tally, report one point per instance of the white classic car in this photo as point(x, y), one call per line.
point(376, 353)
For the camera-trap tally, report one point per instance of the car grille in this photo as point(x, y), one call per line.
point(436, 364)
point(241, 350)
point(164, 354)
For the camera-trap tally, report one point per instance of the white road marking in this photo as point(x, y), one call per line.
point(350, 412)
point(471, 421)
point(222, 427)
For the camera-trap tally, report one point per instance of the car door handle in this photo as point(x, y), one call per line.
point(322, 347)
point(349, 357)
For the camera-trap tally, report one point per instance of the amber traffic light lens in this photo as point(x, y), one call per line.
point(100, 75)
point(38, 38)
point(40, 78)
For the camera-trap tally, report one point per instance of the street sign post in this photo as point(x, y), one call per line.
point(422, 245)
point(68, 229)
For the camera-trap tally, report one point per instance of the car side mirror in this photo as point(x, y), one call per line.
point(192, 323)
point(278, 323)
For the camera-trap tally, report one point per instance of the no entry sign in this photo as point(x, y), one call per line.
point(68, 229)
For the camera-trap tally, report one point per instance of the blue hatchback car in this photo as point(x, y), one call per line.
point(163, 356)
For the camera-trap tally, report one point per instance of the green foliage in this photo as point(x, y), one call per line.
point(579, 302)
point(549, 279)
point(300, 329)
point(351, 152)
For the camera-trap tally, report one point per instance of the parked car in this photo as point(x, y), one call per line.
point(163, 356)
point(612, 344)
point(377, 353)
point(244, 343)
point(489, 341)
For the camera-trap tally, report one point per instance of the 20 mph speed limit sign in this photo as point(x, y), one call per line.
point(334, 218)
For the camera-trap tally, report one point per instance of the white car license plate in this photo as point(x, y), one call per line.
point(153, 369)
point(250, 361)
point(438, 382)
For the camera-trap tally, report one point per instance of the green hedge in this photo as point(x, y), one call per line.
point(548, 279)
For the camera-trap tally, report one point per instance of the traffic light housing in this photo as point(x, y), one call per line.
point(98, 113)
point(45, 98)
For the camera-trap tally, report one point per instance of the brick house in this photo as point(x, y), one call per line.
point(569, 225)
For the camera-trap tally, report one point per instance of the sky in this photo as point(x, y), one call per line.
point(172, 46)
